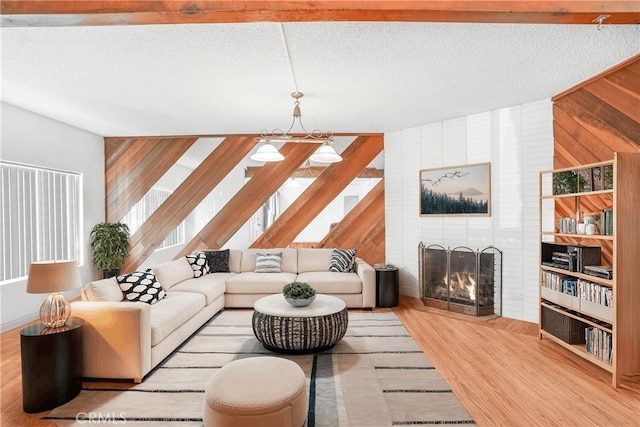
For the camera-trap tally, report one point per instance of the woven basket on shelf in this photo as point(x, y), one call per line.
point(566, 328)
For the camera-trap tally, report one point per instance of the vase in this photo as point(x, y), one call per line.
point(301, 302)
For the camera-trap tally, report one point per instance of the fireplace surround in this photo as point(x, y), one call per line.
point(461, 280)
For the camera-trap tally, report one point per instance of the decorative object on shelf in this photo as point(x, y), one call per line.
point(299, 294)
point(53, 277)
point(110, 245)
point(269, 153)
point(456, 190)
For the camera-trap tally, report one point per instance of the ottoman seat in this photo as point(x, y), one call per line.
point(257, 392)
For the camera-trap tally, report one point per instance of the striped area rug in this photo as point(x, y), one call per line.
point(375, 376)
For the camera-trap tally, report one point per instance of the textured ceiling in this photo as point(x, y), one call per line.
point(211, 79)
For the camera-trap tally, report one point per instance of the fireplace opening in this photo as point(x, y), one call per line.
point(461, 280)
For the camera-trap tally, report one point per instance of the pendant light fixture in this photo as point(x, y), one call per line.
point(267, 152)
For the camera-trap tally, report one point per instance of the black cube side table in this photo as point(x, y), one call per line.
point(51, 365)
point(387, 286)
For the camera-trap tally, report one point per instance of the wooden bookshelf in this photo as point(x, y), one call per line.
point(620, 250)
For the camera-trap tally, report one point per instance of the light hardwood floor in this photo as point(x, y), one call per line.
point(500, 370)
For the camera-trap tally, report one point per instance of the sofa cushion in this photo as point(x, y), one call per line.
point(172, 272)
point(289, 259)
point(210, 285)
point(268, 262)
point(342, 260)
point(259, 283)
point(314, 259)
point(172, 312)
point(103, 290)
point(329, 282)
point(198, 263)
point(141, 286)
point(218, 261)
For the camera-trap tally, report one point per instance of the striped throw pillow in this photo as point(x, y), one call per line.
point(343, 260)
point(268, 263)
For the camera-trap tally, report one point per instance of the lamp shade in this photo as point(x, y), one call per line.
point(53, 276)
point(267, 153)
point(325, 154)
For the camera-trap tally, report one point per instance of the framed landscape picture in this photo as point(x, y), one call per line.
point(456, 190)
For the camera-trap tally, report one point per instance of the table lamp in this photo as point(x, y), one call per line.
point(53, 277)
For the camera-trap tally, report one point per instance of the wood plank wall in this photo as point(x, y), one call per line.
point(133, 165)
point(593, 120)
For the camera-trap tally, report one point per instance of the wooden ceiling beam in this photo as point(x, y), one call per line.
point(94, 13)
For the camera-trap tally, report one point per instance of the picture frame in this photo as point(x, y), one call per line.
point(463, 190)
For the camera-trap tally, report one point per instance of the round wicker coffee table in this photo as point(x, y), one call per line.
point(283, 328)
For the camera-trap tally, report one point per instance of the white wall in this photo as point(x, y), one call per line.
point(36, 140)
point(518, 142)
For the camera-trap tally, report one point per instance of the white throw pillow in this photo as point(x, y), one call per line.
point(268, 263)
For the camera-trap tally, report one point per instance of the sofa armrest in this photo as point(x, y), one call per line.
point(116, 339)
point(368, 277)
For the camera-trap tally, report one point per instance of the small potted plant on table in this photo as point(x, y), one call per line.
point(299, 294)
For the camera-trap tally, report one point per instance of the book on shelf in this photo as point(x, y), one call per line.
point(599, 343)
point(595, 293)
point(606, 222)
point(601, 271)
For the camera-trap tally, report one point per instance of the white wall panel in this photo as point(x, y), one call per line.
point(518, 142)
point(411, 159)
point(37, 140)
point(393, 196)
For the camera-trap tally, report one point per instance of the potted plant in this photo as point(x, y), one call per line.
point(299, 294)
point(110, 245)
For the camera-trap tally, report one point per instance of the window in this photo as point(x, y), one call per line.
point(142, 210)
point(41, 217)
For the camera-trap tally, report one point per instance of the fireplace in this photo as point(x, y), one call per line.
point(461, 280)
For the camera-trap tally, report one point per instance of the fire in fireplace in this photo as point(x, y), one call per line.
point(461, 280)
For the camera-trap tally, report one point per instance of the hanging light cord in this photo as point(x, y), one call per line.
point(286, 48)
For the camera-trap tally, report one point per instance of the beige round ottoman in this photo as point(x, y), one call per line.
point(257, 392)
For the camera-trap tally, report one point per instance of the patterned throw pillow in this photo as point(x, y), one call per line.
point(198, 263)
point(343, 260)
point(268, 263)
point(141, 286)
point(218, 261)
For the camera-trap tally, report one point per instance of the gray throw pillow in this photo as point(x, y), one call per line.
point(268, 263)
point(218, 261)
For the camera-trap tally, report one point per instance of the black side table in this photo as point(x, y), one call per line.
point(51, 365)
point(387, 286)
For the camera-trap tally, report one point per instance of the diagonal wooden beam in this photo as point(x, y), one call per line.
point(249, 199)
point(76, 13)
point(362, 228)
point(198, 185)
point(352, 228)
point(321, 192)
point(138, 168)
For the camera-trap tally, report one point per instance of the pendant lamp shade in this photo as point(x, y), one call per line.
point(267, 153)
point(325, 154)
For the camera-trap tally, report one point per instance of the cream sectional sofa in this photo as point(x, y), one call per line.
point(126, 340)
